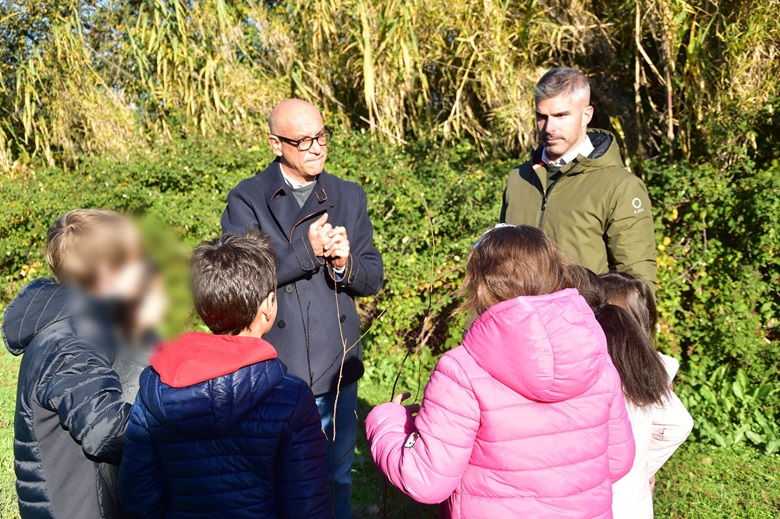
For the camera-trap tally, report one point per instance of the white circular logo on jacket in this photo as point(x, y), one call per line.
point(637, 203)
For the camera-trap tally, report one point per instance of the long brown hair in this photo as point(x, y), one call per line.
point(511, 262)
point(641, 370)
point(633, 295)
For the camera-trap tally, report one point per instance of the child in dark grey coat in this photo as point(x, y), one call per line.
point(70, 415)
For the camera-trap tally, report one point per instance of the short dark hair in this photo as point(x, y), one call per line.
point(510, 262)
point(231, 277)
point(561, 80)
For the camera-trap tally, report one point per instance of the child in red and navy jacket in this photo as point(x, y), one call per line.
point(219, 428)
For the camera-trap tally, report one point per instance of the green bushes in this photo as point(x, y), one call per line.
point(416, 197)
point(717, 235)
point(719, 271)
point(181, 188)
point(428, 207)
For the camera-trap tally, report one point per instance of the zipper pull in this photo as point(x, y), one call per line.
point(541, 213)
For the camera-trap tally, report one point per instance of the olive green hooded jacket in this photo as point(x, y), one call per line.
point(597, 211)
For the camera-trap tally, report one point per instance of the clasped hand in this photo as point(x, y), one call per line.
point(330, 242)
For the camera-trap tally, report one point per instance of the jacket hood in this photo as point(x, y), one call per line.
point(201, 383)
point(606, 152)
point(547, 348)
point(40, 304)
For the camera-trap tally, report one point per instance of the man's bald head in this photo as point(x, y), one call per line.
point(291, 121)
point(292, 112)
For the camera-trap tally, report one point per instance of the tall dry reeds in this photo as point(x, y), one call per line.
point(670, 75)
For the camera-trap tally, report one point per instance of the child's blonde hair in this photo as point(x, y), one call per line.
point(83, 241)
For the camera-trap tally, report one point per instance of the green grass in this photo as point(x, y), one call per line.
point(702, 481)
point(699, 482)
point(9, 367)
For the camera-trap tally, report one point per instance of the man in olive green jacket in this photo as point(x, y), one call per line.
point(576, 189)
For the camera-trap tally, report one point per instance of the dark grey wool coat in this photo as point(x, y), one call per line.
point(315, 310)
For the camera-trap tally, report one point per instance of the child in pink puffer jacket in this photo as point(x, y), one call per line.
point(526, 418)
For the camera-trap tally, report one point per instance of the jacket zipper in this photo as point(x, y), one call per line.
point(544, 208)
point(546, 196)
point(300, 305)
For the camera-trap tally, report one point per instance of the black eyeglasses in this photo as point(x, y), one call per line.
point(306, 143)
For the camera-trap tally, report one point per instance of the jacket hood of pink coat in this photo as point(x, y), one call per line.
point(547, 348)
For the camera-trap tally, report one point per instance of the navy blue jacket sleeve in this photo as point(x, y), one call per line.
point(141, 488)
point(364, 272)
point(296, 260)
point(303, 488)
point(79, 384)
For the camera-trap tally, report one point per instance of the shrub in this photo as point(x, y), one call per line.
point(718, 256)
point(719, 271)
point(416, 196)
point(428, 207)
point(178, 192)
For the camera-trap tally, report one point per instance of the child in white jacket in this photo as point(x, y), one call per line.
point(658, 418)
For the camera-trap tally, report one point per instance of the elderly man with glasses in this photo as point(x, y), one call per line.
point(323, 237)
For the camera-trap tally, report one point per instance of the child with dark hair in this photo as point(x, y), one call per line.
point(526, 418)
point(219, 428)
point(625, 308)
point(70, 419)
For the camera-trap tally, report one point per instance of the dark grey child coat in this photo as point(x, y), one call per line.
point(70, 421)
point(315, 310)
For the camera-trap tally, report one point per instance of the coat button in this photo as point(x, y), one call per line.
point(281, 324)
point(343, 318)
point(306, 265)
point(289, 289)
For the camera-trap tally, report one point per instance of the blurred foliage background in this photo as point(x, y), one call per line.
point(158, 108)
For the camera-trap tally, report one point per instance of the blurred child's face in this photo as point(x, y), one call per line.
point(124, 283)
point(152, 306)
point(113, 259)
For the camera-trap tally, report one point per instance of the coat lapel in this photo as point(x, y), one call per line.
point(531, 175)
point(283, 205)
point(315, 205)
point(280, 201)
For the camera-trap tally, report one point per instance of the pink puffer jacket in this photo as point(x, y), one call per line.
point(525, 419)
